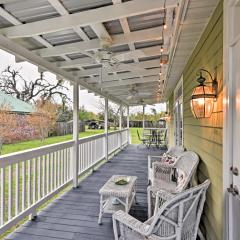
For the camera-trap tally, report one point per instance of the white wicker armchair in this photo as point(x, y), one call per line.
point(173, 151)
point(176, 219)
point(163, 176)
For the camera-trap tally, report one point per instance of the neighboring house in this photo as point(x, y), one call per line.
point(22, 130)
point(16, 106)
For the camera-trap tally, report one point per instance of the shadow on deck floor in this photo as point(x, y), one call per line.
point(74, 215)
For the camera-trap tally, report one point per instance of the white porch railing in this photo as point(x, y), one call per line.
point(30, 178)
point(115, 139)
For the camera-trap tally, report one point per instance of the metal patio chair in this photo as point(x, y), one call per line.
point(144, 141)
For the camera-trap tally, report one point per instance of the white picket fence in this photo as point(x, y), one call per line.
point(30, 178)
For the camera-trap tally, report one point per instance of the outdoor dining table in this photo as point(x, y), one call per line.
point(154, 136)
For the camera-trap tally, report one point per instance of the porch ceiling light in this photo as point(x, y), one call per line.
point(203, 96)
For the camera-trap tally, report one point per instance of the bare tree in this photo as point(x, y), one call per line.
point(12, 83)
point(113, 111)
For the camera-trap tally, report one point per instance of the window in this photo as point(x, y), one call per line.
point(178, 114)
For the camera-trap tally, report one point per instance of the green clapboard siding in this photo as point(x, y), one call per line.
point(205, 136)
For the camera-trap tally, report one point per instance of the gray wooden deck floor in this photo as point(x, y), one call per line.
point(74, 215)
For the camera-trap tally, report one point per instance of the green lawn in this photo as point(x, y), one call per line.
point(15, 147)
point(134, 136)
point(10, 148)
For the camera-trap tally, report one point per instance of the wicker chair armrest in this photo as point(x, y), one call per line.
point(131, 222)
point(165, 195)
point(154, 189)
point(164, 164)
point(152, 159)
point(162, 193)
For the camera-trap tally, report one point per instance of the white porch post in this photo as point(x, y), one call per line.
point(75, 134)
point(120, 118)
point(120, 126)
point(106, 128)
point(128, 127)
point(143, 121)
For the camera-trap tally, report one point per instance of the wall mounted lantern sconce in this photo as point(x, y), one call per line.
point(204, 95)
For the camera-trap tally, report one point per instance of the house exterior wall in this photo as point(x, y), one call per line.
point(204, 136)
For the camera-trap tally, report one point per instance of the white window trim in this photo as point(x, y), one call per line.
point(179, 99)
point(228, 113)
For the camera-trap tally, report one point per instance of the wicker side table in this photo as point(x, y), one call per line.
point(124, 194)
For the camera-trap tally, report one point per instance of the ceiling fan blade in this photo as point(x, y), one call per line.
point(145, 94)
point(129, 97)
point(129, 55)
point(136, 70)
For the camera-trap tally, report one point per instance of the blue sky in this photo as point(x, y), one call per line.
point(88, 100)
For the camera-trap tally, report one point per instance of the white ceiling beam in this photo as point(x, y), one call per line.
point(6, 15)
point(84, 18)
point(141, 96)
point(120, 39)
point(120, 76)
point(8, 1)
point(140, 87)
point(88, 61)
point(146, 101)
point(122, 67)
point(101, 32)
point(59, 7)
point(77, 62)
point(144, 97)
point(63, 12)
point(127, 82)
point(19, 51)
point(126, 29)
point(81, 33)
point(144, 52)
point(98, 28)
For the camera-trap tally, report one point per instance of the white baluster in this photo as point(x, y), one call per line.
point(2, 199)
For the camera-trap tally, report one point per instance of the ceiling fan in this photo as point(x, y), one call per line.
point(139, 102)
point(134, 93)
point(106, 58)
point(110, 60)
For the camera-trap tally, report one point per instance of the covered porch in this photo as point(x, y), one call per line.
point(133, 53)
point(74, 215)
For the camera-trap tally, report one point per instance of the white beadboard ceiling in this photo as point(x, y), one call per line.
point(63, 36)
